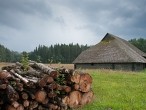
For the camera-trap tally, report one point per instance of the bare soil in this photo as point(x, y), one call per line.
point(68, 66)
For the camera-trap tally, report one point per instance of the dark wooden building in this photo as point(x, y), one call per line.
point(112, 53)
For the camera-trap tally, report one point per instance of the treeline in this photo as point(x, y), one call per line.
point(139, 43)
point(58, 53)
point(8, 56)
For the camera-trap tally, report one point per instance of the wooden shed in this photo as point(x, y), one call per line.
point(112, 52)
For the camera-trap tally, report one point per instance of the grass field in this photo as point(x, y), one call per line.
point(116, 90)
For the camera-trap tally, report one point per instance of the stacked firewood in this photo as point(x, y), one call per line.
point(40, 87)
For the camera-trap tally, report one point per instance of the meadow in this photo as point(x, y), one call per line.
point(117, 90)
point(114, 90)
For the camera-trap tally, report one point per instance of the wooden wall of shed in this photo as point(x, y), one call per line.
point(114, 66)
point(93, 66)
point(139, 66)
point(123, 66)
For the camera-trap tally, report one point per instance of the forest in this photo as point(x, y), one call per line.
point(58, 53)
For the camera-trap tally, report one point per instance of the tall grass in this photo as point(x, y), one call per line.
point(117, 90)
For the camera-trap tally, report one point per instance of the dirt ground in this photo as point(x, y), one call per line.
point(68, 66)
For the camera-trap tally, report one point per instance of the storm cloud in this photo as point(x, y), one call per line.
point(24, 24)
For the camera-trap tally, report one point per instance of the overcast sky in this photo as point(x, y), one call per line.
point(24, 24)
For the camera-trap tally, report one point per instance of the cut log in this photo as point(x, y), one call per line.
point(10, 107)
point(25, 103)
point(15, 104)
point(52, 86)
point(85, 82)
point(19, 86)
point(43, 88)
point(87, 97)
point(3, 86)
point(45, 101)
point(24, 95)
point(12, 94)
point(52, 94)
point(76, 77)
point(33, 105)
point(74, 99)
point(45, 80)
point(32, 79)
point(67, 89)
point(20, 107)
point(85, 87)
point(19, 76)
point(51, 106)
point(32, 72)
point(76, 86)
point(4, 75)
point(31, 94)
point(47, 69)
point(65, 100)
point(40, 96)
point(85, 77)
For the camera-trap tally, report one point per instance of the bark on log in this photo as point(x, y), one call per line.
point(12, 94)
point(47, 69)
point(19, 76)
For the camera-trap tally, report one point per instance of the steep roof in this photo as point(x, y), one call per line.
point(111, 49)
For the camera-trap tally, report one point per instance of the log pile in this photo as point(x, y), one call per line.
point(43, 88)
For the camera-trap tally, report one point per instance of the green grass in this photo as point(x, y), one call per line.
point(116, 90)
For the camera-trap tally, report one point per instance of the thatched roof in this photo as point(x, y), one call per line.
point(111, 49)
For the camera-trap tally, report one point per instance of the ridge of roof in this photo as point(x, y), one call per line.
point(111, 49)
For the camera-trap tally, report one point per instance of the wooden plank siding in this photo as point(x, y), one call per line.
point(113, 66)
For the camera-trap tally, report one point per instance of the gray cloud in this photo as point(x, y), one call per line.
point(14, 12)
point(24, 24)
